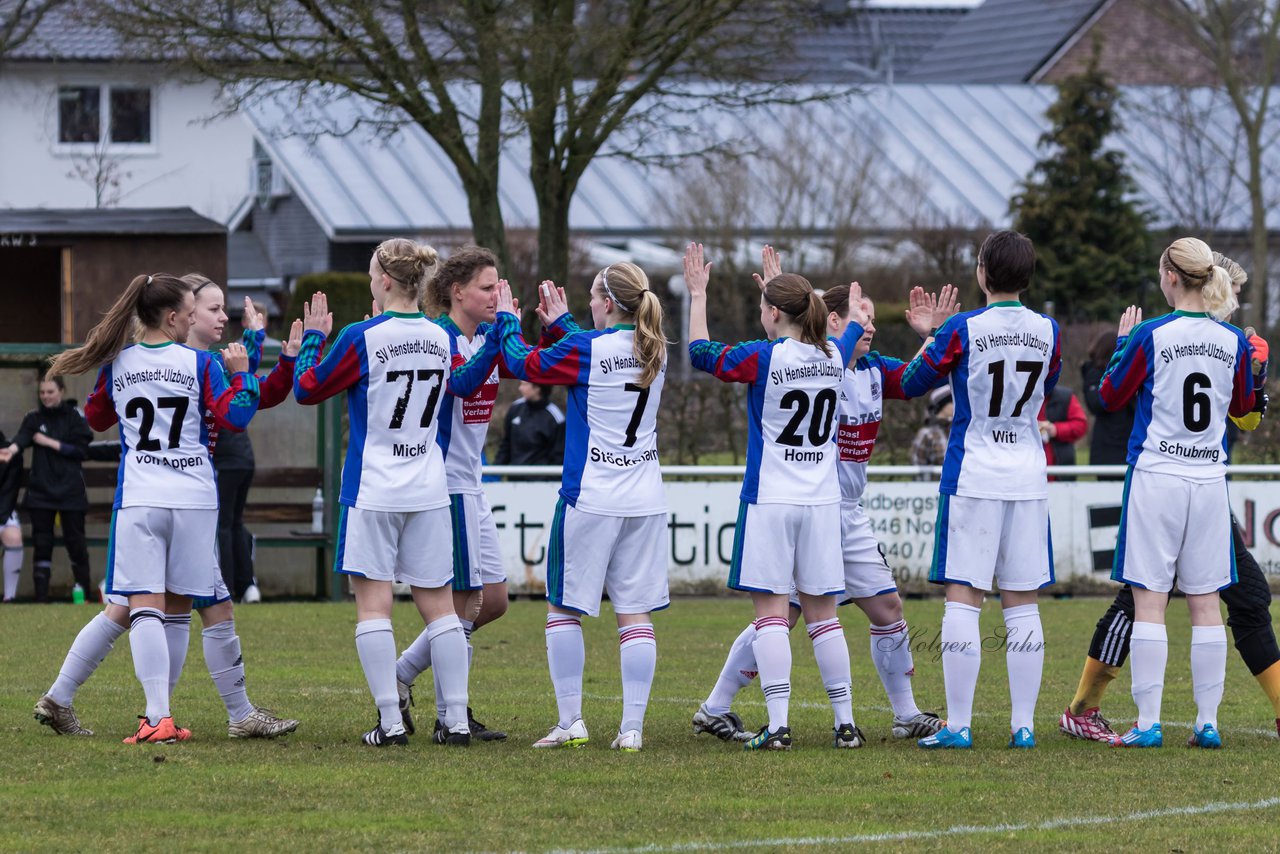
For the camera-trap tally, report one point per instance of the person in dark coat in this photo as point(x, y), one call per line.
point(10, 527)
point(1109, 444)
point(533, 430)
point(55, 485)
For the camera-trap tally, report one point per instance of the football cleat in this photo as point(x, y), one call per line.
point(574, 736)
point(457, 736)
point(482, 732)
point(726, 727)
point(252, 595)
point(1151, 737)
point(405, 690)
point(1090, 726)
point(848, 735)
point(1023, 738)
point(628, 742)
point(922, 725)
point(1206, 737)
point(61, 719)
point(379, 737)
point(945, 739)
point(164, 732)
point(261, 723)
point(779, 739)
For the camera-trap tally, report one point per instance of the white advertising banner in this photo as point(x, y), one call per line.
point(702, 516)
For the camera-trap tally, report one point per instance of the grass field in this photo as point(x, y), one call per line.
point(321, 789)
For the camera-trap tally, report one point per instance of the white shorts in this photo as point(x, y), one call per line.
point(13, 521)
point(156, 549)
point(220, 594)
point(477, 559)
point(1172, 527)
point(981, 540)
point(866, 572)
point(778, 548)
point(623, 555)
point(414, 548)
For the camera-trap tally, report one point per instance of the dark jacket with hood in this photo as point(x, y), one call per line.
point(55, 481)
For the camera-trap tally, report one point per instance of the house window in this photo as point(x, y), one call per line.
point(118, 115)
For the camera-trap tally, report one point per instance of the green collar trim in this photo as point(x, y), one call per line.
point(1006, 303)
point(155, 346)
point(623, 326)
point(1182, 313)
point(403, 314)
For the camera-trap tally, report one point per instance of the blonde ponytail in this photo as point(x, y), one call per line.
point(1198, 268)
point(1219, 298)
point(650, 342)
point(794, 296)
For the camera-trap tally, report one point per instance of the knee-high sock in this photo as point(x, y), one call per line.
point(1024, 656)
point(12, 570)
point(1208, 671)
point(376, 646)
point(773, 656)
point(449, 654)
point(1269, 679)
point(150, 660)
point(961, 661)
point(738, 671)
point(87, 651)
point(891, 653)
point(832, 654)
point(415, 659)
point(1149, 653)
point(177, 635)
point(566, 657)
point(638, 651)
point(226, 668)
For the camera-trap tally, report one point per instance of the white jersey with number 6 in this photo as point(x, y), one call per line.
point(395, 369)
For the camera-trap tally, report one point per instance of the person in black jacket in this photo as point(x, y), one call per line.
point(55, 486)
point(1109, 444)
point(533, 431)
point(11, 530)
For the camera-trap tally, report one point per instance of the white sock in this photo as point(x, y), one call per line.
point(1208, 671)
point(566, 657)
point(150, 660)
point(226, 668)
point(468, 629)
point(415, 659)
point(1024, 656)
point(376, 646)
point(177, 635)
point(87, 651)
point(738, 671)
point(961, 660)
point(1148, 655)
point(449, 653)
point(12, 570)
point(773, 655)
point(440, 709)
point(638, 651)
point(891, 654)
point(832, 653)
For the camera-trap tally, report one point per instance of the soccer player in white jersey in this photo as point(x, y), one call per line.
point(610, 524)
point(788, 531)
point(222, 648)
point(868, 580)
point(993, 510)
point(1188, 371)
point(165, 513)
point(395, 502)
point(461, 297)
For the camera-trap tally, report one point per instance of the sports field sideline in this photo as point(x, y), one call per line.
point(321, 788)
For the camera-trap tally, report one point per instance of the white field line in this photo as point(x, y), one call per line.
point(956, 830)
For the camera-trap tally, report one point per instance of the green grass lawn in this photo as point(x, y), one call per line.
point(321, 789)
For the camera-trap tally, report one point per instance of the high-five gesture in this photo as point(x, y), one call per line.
point(551, 302)
point(253, 319)
point(859, 306)
point(316, 314)
point(770, 266)
point(293, 345)
point(503, 299)
point(1132, 317)
point(928, 311)
point(697, 272)
point(236, 358)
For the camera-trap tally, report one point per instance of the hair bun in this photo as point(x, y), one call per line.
point(425, 255)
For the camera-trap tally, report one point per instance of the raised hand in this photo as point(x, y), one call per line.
point(947, 304)
point(551, 302)
point(236, 358)
point(697, 271)
point(1132, 317)
point(316, 314)
point(293, 345)
point(503, 299)
point(253, 319)
point(770, 266)
point(920, 310)
point(859, 306)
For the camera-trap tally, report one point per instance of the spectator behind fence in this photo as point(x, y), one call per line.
point(1109, 444)
point(929, 447)
point(10, 527)
point(533, 432)
point(1062, 424)
point(55, 486)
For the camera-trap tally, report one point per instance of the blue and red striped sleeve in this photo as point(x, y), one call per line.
point(316, 380)
point(230, 402)
point(561, 364)
point(252, 339)
point(1242, 391)
point(1055, 360)
point(557, 329)
point(848, 342)
point(937, 361)
point(891, 371)
point(739, 363)
point(100, 408)
point(276, 386)
point(1127, 371)
point(468, 375)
